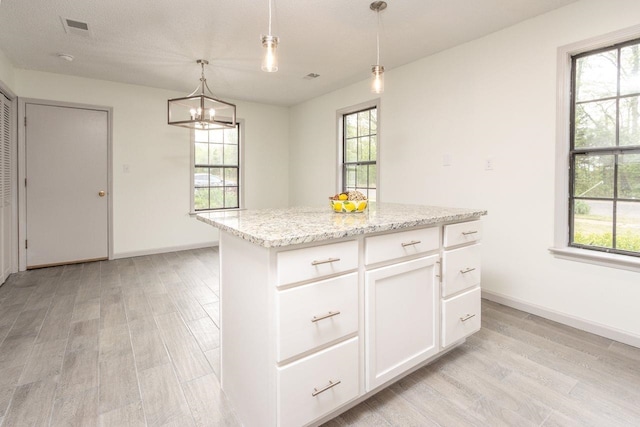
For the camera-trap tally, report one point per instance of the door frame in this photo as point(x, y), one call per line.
point(22, 167)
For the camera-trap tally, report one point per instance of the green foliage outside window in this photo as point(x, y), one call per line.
point(360, 152)
point(605, 151)
point(216, 172)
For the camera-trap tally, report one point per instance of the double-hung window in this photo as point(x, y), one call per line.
point(604, 156)
point(216, 169)
point(359, 151)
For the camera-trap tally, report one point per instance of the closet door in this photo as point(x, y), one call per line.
point(6, 194)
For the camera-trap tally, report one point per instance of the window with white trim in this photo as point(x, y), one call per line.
point(359, 151)
point(604, 154)
point(216, 169)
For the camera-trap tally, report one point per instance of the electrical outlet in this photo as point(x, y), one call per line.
point(488, 163)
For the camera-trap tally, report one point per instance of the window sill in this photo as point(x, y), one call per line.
point(604, 259)
point(194, 213)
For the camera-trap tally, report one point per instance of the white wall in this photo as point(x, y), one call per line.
point(495, 96)
point(6, 71)
point(151, 202)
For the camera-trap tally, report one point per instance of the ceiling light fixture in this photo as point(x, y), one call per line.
point(377, 71)
point(201, 111)
point(270, 43)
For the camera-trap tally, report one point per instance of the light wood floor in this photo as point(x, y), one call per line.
point(134, 342)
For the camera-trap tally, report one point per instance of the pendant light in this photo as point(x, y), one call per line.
point(201, 110)
point(270, 43)
point(377, 71)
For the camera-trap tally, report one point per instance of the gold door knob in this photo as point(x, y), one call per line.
point(101, 193)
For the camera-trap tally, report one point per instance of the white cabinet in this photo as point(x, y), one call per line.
point(461, 268)
point(309, 330)
point(316, 262)
point(316, 385)
point(462, 233)
point(401, 244)
point(401, 328)
point(460, 316)
point(315, 314)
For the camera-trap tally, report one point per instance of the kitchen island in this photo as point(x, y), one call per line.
point(320, 310)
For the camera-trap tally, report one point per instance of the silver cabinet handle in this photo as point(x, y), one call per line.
point(468, 270)
point(411, 243)
point(466, 233)
point(467, 317)
point(325, 388)
point(325, 316)
point(326, 261)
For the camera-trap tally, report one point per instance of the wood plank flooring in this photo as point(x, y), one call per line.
point(134, 342)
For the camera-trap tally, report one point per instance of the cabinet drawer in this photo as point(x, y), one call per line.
point(319, 261)
point(464, 232)
point(460, 316)
point(305, 390)
point(315, 314)
point(460, 269)
point(397, 245)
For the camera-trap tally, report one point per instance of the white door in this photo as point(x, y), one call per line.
point(401, 318)
point(66, 185)
point(6, 185)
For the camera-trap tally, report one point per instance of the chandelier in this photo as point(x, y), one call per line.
point(201, 110)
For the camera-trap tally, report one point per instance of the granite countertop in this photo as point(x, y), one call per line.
point(291, 226)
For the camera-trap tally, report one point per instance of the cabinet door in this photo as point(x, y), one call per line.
point(401, 316)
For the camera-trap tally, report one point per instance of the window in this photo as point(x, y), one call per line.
point(604, 156)
point(360, 151)
point(216, 169)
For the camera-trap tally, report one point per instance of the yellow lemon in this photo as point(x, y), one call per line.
point(349, 206)
point(343, 196)
point(362, 206)
point(337, 206)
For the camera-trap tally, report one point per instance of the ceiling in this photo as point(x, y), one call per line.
point(156, 42)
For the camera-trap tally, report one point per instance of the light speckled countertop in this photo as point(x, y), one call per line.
point(291, 226)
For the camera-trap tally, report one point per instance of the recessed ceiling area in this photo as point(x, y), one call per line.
point(157, 42)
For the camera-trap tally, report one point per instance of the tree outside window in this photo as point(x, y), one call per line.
point(216, 171)
point(605, 150)
point(360, 152)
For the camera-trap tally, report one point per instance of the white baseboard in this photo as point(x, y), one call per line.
point(163, 250)
point(566, 319)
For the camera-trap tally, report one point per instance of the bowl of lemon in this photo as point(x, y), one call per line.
point(349, 202)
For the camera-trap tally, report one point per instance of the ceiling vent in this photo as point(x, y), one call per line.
point(75, 27)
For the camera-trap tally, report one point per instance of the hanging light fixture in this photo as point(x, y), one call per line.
point(201, 110)
point(377, 71)
point(270, 43)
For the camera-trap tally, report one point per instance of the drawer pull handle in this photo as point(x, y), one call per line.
point(467, 317)
point(468, 270)
point(466, 233)
point(411, 243)
point(326, 316)
point(326, 261)
point(325, 388)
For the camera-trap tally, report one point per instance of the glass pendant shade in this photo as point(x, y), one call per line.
point(270, 59)
point(377, 79)
point(201, 111)
point(377, 71)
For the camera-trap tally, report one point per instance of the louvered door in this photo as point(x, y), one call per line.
point(6, 194)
